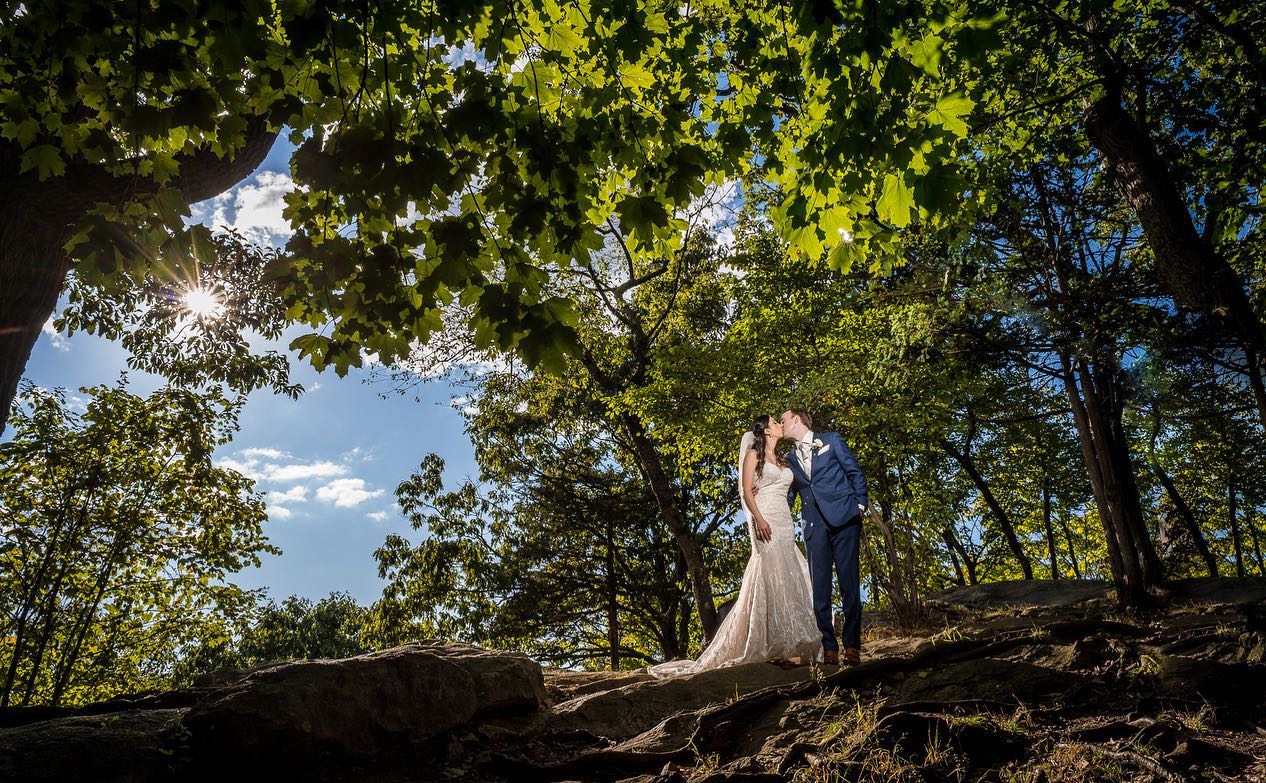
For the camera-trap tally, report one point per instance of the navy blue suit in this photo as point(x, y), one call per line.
point(829, 499)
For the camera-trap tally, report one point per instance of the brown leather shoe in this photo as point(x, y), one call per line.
point(831, 658)
point(852, 656)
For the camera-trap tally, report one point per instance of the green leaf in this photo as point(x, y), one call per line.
point(895, 202)
point(45, 159)
point(844, 256)
point(926, 54)
point(639, 214)
point(949, 111)
point(562, 38)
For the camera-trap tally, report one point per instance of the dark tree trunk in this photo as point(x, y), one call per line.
point(951, 540)
point(1251, 524)
point(1004, 521)
point(1233, 514)
point(1072, 547)
point(1257, 385)
point(1188, 518)
point(33, 269)
point(683, 626)
point(1050, 533)
point(959, 578)
point(1093, 469)
point(661, 486)
point(1094, 396)
point(36, 219)
point(1187, 265)
point(613, 607)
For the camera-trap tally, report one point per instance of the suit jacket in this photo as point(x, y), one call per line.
point(831, 494)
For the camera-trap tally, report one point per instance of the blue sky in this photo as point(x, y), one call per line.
point(329, 461)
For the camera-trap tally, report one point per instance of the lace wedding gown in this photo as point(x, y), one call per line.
point(772, 618)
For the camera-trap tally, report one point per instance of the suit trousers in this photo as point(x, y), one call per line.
point(836, 548)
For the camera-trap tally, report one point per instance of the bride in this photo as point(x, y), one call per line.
point(772, 619)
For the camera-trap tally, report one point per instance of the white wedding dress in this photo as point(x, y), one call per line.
point(772, 619)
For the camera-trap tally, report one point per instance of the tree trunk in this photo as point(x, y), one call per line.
point(36, 219)
point(683, 624)
point(11, 671)
point(696, 568)
point(49, 617)
point(1093, 396)
point(1104, 408)
point(1187, 266)
point(959, 578)
point(1257, 385)
point(951, 540)
point(1257, 546)
point(33, 269)
point(1093, 469)
point(1050, 533)
point(1236, 541)
point(1188, 518)
point(613, 609)
point(1072, 547)
point(1004, 522)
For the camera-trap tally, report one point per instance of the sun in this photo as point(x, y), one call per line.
point(202, 303)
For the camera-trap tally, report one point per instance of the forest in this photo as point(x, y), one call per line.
point(1012, 251)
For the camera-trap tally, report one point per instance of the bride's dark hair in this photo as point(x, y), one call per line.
point(758, 444)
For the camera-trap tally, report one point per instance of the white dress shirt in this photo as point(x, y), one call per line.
point(804, 448)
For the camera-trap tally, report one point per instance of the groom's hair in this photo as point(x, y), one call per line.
point(804, 416)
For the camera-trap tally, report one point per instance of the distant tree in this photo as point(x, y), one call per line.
point(118, 537)
point(296, 628)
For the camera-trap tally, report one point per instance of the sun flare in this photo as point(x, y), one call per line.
point(202, 303)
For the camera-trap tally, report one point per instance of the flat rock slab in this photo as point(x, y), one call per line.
point(1237, 591)
point(629, 710)
point(397, 698)
point(121, 747)
point(1066, 592)
point(990, 679)
point(564, 685)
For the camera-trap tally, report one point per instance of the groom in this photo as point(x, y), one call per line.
point(832, 500)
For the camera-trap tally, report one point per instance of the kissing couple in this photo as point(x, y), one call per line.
point(783, 611)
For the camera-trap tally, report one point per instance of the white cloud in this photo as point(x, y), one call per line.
point(248, 468)
point(466, 404)
point(716, 211)
point(465, 53)
point(300, 471)
point(250, 465)
point(280, 512)
point(296, 494)
point(55, 339)
point(377, 516)
point(253, 208)
point(347, 492)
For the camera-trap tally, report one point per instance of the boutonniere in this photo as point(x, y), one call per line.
point(817, 445)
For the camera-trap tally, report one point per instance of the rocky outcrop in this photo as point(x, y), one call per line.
point(124, 747)
point(993, 689)
point(627, 710)
point(395, 701)
point(397, 707)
